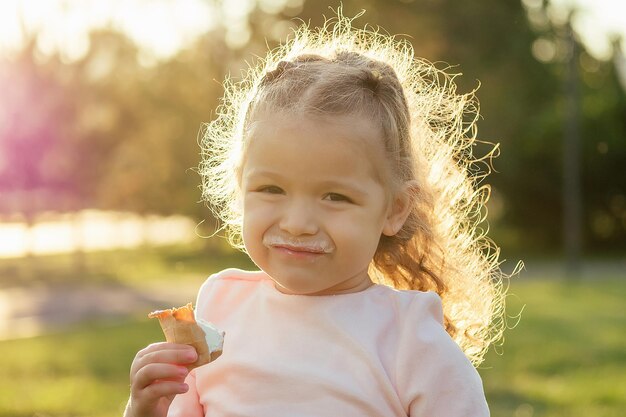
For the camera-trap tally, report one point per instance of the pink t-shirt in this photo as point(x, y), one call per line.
point(378, 352)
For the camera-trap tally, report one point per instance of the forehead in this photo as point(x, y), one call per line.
point(334, 143)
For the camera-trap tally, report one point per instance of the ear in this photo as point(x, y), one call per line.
point(399, 209)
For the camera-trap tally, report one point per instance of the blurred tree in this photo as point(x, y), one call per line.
point(104, 132)
point(603, 156)
point(34, 111)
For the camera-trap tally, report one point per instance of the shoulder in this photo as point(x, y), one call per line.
point(234, 274)
point(424, 305)
point(416, 307)
point(422, 325)
point(419, 319)
point(416, 312)
point(229, 285)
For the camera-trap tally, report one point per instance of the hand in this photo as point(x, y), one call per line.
point(157, 374)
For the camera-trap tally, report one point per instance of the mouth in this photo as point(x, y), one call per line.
point(291, 249)
point(303, 248)
point(290, 253)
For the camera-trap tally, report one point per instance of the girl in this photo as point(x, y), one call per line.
point(344, 169)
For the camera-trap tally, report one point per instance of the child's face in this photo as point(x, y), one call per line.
point(313, 201)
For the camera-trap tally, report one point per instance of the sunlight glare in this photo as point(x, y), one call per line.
point(236, 13)
point(159, 27)
point(10, 32)
point(92, 230)
point(597, 21)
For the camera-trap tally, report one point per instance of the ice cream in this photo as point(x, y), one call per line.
point(180, 326)
point(213, 336)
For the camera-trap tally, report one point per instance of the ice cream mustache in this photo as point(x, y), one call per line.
point(300, 245)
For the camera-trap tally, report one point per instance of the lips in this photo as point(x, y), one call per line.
point(298, 253)
point(303, 249)
point(316, 248)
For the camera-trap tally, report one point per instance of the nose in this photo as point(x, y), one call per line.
point(298, 218)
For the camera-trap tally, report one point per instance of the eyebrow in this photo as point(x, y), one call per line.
point(341, 185)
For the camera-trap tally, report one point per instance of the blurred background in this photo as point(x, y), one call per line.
point(100, 219)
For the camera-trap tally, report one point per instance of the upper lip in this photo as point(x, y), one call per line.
point(312, 249)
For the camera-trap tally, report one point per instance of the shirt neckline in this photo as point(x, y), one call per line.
point(270, 286)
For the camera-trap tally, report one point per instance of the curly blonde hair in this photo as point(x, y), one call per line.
point(429, 132)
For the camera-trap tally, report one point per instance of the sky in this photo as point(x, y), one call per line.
point(162, 27)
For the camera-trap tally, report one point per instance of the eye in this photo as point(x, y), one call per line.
point(270, 189)
point(337, 197)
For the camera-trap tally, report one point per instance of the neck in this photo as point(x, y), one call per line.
point(347, 287)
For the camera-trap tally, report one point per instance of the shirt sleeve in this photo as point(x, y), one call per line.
point(434, 377)
point(187, 404)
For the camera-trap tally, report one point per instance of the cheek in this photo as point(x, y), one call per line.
point(252, 233)
point(256, 215)
point(358, 231)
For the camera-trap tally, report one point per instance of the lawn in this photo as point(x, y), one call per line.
point(565, 357)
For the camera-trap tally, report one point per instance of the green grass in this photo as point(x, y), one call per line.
point(565, 357)
point(83, 372)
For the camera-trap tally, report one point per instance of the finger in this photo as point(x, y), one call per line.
point(154, 392)
point(164, 353)
point(162, 346)
point(174, 356)
point(151, 373)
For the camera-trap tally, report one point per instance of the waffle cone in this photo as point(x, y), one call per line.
point(179, 326)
